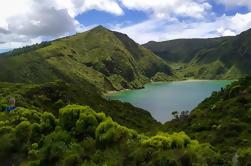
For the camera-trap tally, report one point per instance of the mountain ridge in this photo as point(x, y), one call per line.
point(213, 58)
point(114, 62)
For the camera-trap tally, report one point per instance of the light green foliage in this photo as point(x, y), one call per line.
point(166, 141)
point(109, 132)
point(159, 141)
point(81, 136)
point(244, 157)
point(81, 119)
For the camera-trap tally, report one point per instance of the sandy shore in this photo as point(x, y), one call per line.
point(108, 93)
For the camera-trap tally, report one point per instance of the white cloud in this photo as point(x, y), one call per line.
point(234, 3)
point(24, 22)
point(76, 7)
point(170, 8)
point(166, 30)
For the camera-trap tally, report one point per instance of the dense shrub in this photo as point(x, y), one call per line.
point(86, 125)
point(81, 136)
point(109, 133)
point(244, 157)
point(166, 141)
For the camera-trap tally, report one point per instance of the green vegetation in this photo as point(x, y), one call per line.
point(223, 120)
point(216, 58)
point(80, 136)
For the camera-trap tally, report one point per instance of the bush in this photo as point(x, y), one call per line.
point(244, 157)
point(86, 125)
point(166, 141)
point(23, 132)
point(159, 142)
point(109, 132)
point(48, 122)
point(69, 115)
point(35, 132)
point(72, 160)
point(54, 147)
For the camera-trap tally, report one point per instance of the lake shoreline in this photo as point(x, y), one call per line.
point(113, 92)
point(162, 98)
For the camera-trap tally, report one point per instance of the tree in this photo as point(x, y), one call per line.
point(175, 115)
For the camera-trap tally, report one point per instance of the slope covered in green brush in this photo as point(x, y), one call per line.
point(81, 136)
point(106, 59)
point(223, 120)
point(216, 58)
point(181, 50)
point(52, 96)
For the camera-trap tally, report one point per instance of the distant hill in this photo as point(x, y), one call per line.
point(106, 59)
point(181, 50)
point(216, 58)
point(3, 51)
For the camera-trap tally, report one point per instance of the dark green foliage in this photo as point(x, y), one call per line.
point(181, 50)
point(48, 122)
point(23, 131)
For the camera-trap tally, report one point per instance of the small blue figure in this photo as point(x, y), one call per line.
point(12, 106)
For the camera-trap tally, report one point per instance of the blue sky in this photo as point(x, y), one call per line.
point(25, 22)
point(130, 17)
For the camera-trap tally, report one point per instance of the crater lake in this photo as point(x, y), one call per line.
point(163, 98)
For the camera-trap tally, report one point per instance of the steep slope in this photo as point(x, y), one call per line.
point(223, 119)
point(108, 60)
point(234, 53)
point(181, 50)
point(216, 58)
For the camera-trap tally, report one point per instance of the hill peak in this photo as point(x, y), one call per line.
point(99, 27)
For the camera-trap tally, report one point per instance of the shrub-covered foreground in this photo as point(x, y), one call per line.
point(80, 136)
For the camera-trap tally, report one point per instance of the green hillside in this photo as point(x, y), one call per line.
point(106, 59)
point(181, 50)
point(216, 58)
point(223, 120)
point(54, 95)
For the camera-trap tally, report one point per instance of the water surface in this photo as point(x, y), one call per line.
point(161, 99)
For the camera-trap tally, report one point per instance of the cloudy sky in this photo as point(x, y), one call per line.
point(25, 22)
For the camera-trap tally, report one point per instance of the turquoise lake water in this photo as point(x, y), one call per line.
point(161, 99)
